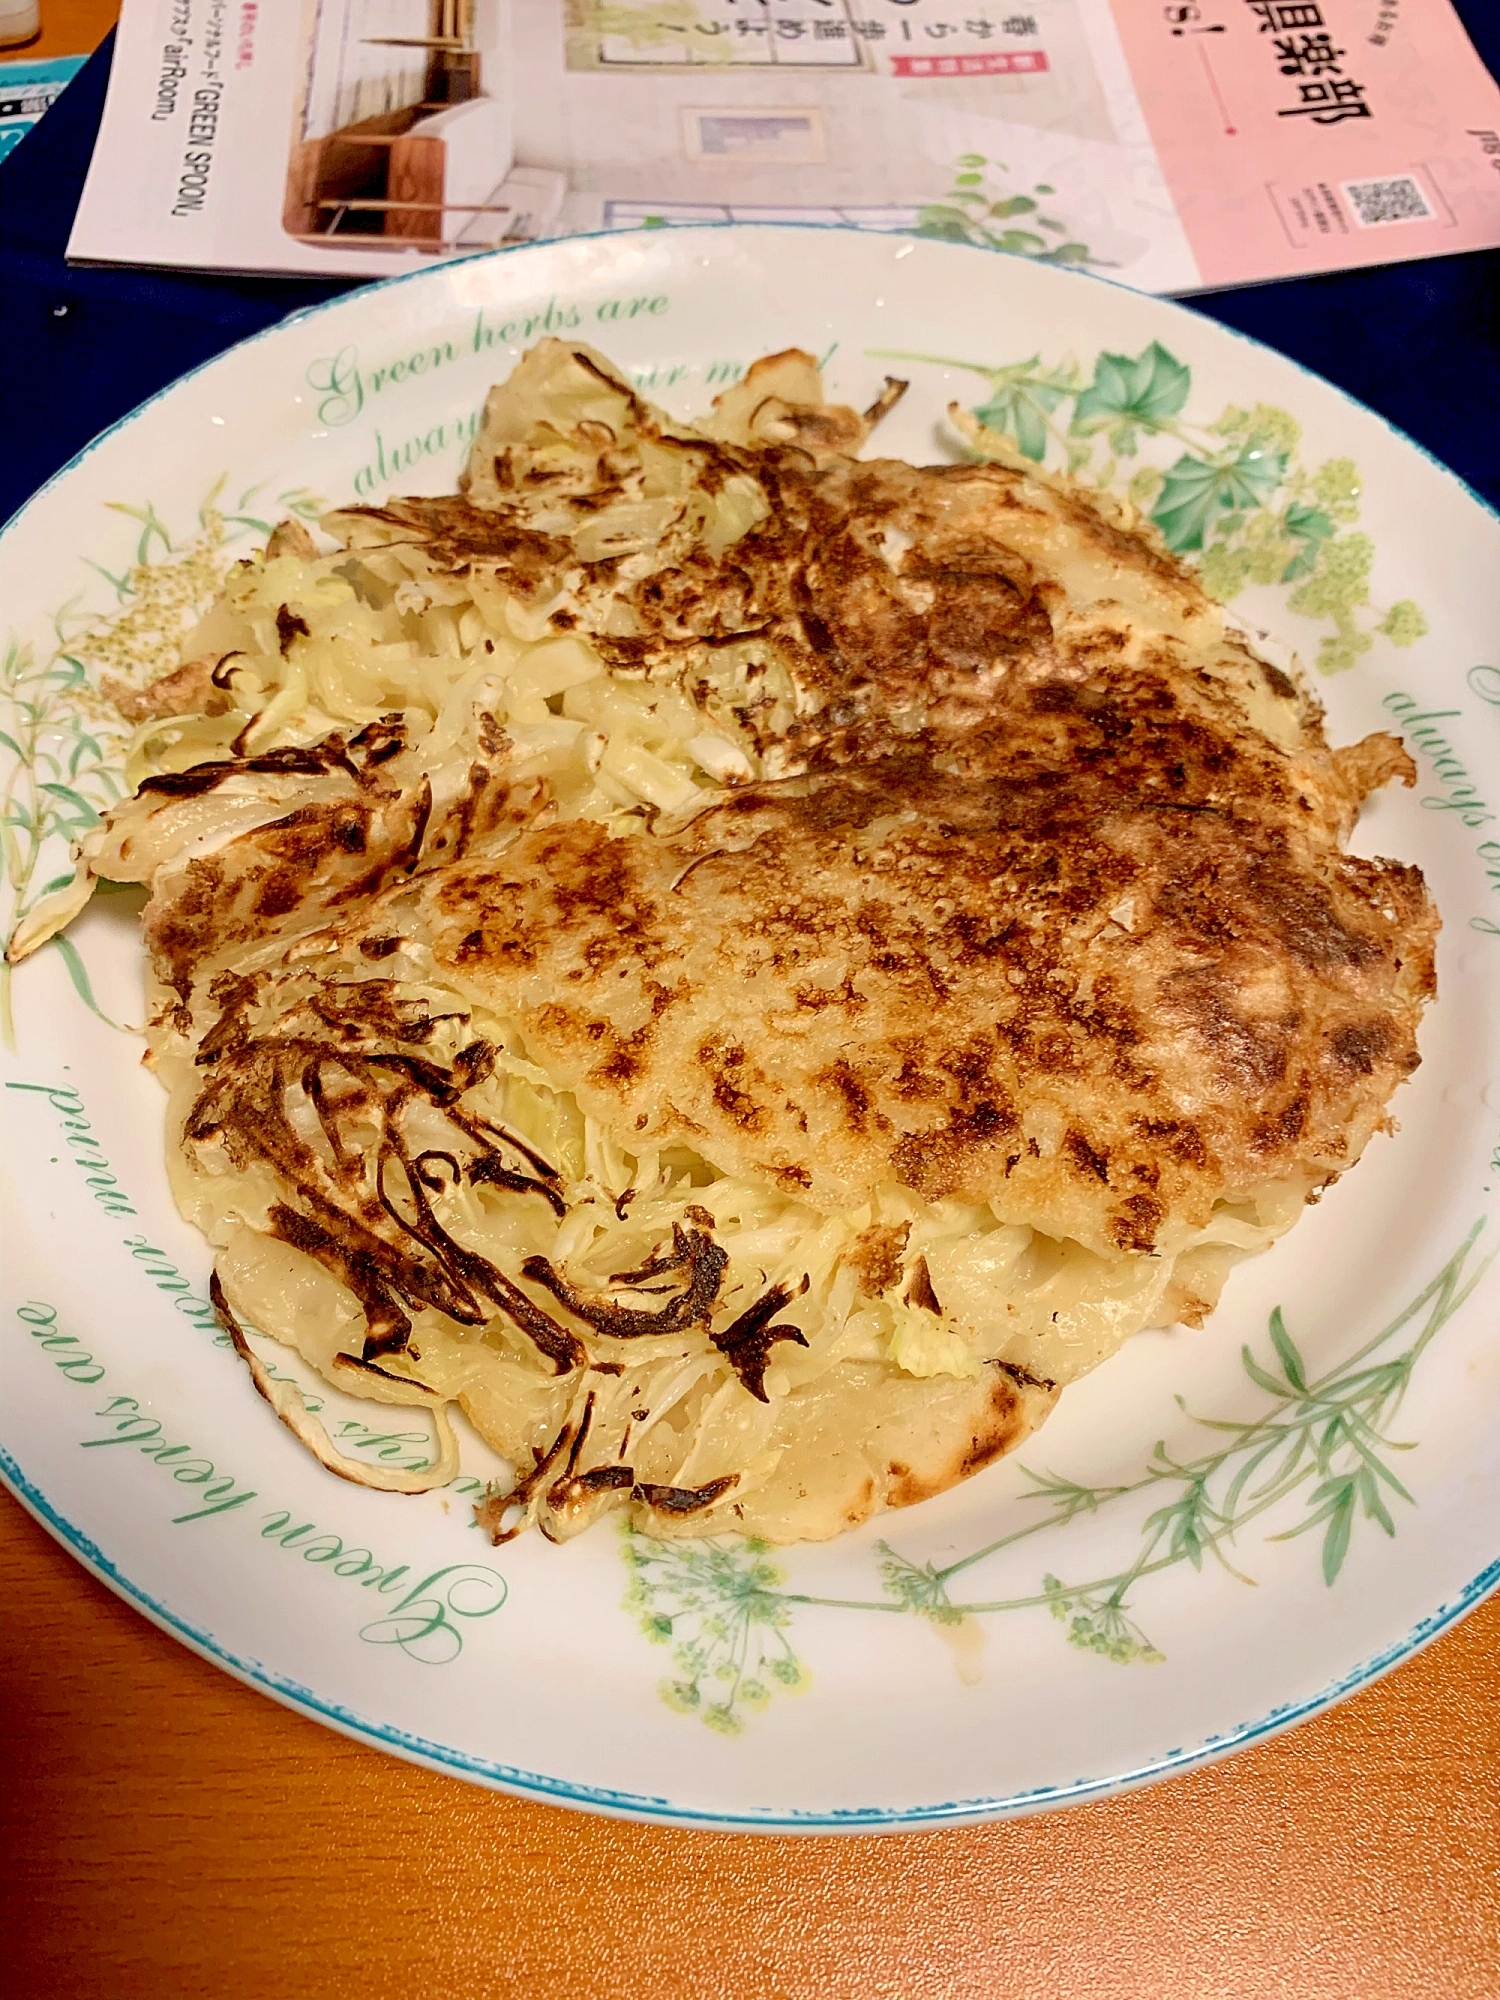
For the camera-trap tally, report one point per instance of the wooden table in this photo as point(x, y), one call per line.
point(70, 28)
point(167, 1831)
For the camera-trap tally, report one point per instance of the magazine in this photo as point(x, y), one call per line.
point(27, 89)
point(1169, 144)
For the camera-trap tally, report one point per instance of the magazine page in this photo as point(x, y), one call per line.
point(28, 87)
point(1200, 142)
point(1311, 135)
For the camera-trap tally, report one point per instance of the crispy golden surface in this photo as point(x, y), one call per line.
point(1058, 914)
point(1096, 997)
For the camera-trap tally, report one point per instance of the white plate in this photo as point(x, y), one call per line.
point(1145, 1604)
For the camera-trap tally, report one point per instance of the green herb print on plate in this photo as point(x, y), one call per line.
point(1232, 495)
point(427, 1620)
point(1316, 1458)
point(719, 1606)
point(66, 739)
point(422, 1624)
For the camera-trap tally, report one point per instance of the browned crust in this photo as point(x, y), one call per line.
point(1104, 943)
point(998, 1425)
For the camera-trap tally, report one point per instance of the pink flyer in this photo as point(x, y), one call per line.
point(1309, 135)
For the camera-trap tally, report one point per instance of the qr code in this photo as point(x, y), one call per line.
point(1397, 200)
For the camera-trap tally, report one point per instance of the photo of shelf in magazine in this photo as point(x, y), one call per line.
point(1171, 145)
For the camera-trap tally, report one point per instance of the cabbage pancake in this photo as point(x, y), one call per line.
point(744, 969)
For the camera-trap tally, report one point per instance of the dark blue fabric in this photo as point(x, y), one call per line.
point(79, 348)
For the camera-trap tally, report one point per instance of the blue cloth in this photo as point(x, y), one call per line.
point(79, 348)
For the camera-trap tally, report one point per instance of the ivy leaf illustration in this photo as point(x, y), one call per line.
point(1147, 390)
point(1019, 407)
point(1197, 491)
point(1310, 523)
point(1016, 204)
point(946, 223)
point(1311, 527)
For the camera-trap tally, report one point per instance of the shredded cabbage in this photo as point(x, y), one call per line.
point(301, 643)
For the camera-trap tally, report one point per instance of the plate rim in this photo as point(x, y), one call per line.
point(1167, 300)
point(643, 1807)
